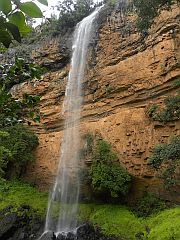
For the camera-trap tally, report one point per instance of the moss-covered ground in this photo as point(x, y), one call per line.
point(112, 220)
point(18, 193)
point(115, 220)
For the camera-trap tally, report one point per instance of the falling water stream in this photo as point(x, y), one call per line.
point(66, 187)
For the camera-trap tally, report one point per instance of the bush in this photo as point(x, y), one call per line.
point(105, 174)
point(170, 112)
point(16, 146)
point(165, 158)
point(148, 205)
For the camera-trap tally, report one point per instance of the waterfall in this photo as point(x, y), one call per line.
point(66, 187)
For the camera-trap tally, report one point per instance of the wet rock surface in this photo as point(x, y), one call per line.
point(19, 224)
point(84, 232)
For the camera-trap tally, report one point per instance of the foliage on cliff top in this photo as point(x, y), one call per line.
point(147, 10)
point(70, 13)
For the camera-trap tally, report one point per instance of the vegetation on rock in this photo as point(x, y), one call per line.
point(165, 159)
point(20, 71)
point(147, 10)
point(105, 174)
point(17, 193)
point(170, 112)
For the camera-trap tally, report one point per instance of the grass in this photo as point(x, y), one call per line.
point(118, 221)
point(18, 193)
point(165, 225)
point(112, 220)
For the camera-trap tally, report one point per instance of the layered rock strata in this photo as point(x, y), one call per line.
point(130, 72)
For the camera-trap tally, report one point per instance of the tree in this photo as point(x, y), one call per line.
point(71, 12)
point(12, 19)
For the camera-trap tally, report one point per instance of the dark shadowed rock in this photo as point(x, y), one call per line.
point(19, 224)
point(61, 237)
point(48, 236)
point(8, 223)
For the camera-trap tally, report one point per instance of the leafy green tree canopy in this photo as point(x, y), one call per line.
point(12, 19)
point(71, 12)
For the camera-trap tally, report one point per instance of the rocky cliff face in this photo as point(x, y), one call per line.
point(127, 73)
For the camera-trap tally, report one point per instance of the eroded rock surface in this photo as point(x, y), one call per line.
point(130, 72)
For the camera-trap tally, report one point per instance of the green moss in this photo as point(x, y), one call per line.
point(18, 193)
point(165, 226)
point(113, 220)
point(118, 221)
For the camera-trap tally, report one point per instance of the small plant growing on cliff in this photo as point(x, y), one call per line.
point(107, 175)
point(165, 159)
point(170, 112)
point(147, 10)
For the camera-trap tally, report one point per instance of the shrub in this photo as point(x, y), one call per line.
point(105, 174)
point(16, 146)
point(170, 112)
point(148, 205)
point(165, 158)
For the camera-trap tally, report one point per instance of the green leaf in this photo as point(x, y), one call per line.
point(44, 2)
point(31, 9)
point(24, 30)
point(5, 6)
point(2, 21)
point(17, 18)
point(5, 38)
point(13, 29)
